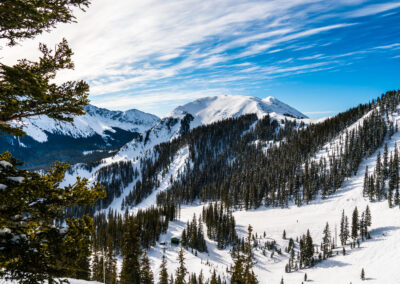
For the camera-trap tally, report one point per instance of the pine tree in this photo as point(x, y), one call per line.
point(343, 234)
point(237, 271)
point(163, 276)
point(362, 274)
point(97, 268)
point(362, 226)
point(366, 182)
point(146, 275)
point(181, 272)
point(130, 272)
point(326, 241)
point(309, 248)
point(354, 224)
point(27, 90)
point(110, 264)
point(214, 278)
point(22, 207)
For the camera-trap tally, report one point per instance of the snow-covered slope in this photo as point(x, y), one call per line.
point(211, 109)
point(95, 121)
point(378, 256)
point(205, 111)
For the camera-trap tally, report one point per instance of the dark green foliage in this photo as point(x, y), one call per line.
point(242, 269)
point(344, 229)
point(130, 273)
point(115, 178)
point(306, 250)
point(30, 205)
point(163, 276)
point(355, 225)
point(110, 264)
point(21, 19)
point(220, 225)
point(326, 245)
point(146, 275)
point(385, 173)
point(181, 271)
point(35, 246)
point(193, 236)
point(26, 89)
point(151, 222)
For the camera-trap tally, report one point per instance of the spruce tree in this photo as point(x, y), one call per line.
point(326, 241)
point(181, 271)
point(110, 264)
point(131, 252)
point(354, 224)
point(163, 271)
point(146, 275)
point(237, 271)
point(342, 229)
point(362, 274)
point(35, 200)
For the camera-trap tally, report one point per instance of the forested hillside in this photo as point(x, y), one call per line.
point(248, 163)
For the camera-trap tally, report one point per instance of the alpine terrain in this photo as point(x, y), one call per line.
point(139, 143)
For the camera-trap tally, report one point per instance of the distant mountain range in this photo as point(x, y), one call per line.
point(102, 133)
point(94, 135)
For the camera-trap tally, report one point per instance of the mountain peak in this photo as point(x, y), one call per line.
point(214, 108)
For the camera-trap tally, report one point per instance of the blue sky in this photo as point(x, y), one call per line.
point(320, 57)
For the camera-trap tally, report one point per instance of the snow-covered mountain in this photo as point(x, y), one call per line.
point(211, 109)
point(205, 111)
point(97, 134)
point(95, 121)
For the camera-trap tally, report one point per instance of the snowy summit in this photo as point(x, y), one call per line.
point(211, 109)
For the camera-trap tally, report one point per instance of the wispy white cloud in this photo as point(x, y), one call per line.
point(261, 47)
point(138, 48)
point(373, 9)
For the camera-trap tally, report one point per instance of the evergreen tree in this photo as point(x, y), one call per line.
point(326, 242)
point(33, 200)
point(355, 224)
point(146, 275)
point(110, 264)
point(368, 218)
point(237, 271)
point(181, 271)
point(97, 268)
point(343, 234)
point(366, 182)
point(163, 276)
point(362, 274)
point(130, 272)
point(214, 278)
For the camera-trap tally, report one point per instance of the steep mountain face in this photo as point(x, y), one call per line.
point(205, 111)
point(94, 135)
